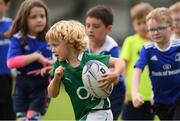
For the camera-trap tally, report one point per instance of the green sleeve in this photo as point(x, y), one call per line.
point(55, 65)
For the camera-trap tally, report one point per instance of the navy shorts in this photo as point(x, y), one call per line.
point(6, 82)
point(6, 104)
point(167, 112)
point(145, 112)
point(31, 94)
point(117, 99)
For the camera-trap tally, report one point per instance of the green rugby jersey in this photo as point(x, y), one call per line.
point(81, 100)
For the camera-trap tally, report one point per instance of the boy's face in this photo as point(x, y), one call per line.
point(160, 32)
point(140, 27)
point(96, 30)
point(3, 8)
point(176, 22)
point(60, 50)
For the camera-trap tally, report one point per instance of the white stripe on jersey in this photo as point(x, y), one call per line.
point(108, 45)
point(18, 35)
point(5, 19)
point(149, 45)
point(175, 43)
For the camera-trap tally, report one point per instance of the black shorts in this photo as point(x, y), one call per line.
point(144, 112)
point(167, 112)
point(6, 106)
point(5, 88)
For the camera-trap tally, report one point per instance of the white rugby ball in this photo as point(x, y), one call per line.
point(92, 71)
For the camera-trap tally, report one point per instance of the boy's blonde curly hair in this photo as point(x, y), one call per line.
point(160, 15)
point(70, 31)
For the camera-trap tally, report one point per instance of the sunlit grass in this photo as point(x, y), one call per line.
point(60, 108)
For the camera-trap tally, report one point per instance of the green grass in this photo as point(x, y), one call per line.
point(60, 108)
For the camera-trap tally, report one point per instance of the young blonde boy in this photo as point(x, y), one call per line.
point(130, 53)
point(68, 44)
point(163, 59)
point(175, 14)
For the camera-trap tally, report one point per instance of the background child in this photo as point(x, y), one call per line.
point(175, 14)
point(163, 59)
point(6, 81)
point(130, 53)
point(27, 53)
point(99, 20)
point(68, 42)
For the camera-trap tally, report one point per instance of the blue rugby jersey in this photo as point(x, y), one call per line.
point(5, 24)
point(164, 70)
point(110, 47)
point(32, 45)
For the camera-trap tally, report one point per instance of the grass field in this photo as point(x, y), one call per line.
point(60, 108)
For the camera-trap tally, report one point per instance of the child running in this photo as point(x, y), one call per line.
point(162, 56)
point(68, 42)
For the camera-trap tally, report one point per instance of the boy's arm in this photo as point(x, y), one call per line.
point(118, 64)
point(137, 99)
point(54, 86)
point(113, 76)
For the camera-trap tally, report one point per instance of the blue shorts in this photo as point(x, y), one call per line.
point(31, 94)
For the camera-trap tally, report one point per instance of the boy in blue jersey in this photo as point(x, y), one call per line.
point(6, 81)
point(99, 20)
point(162, 56)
